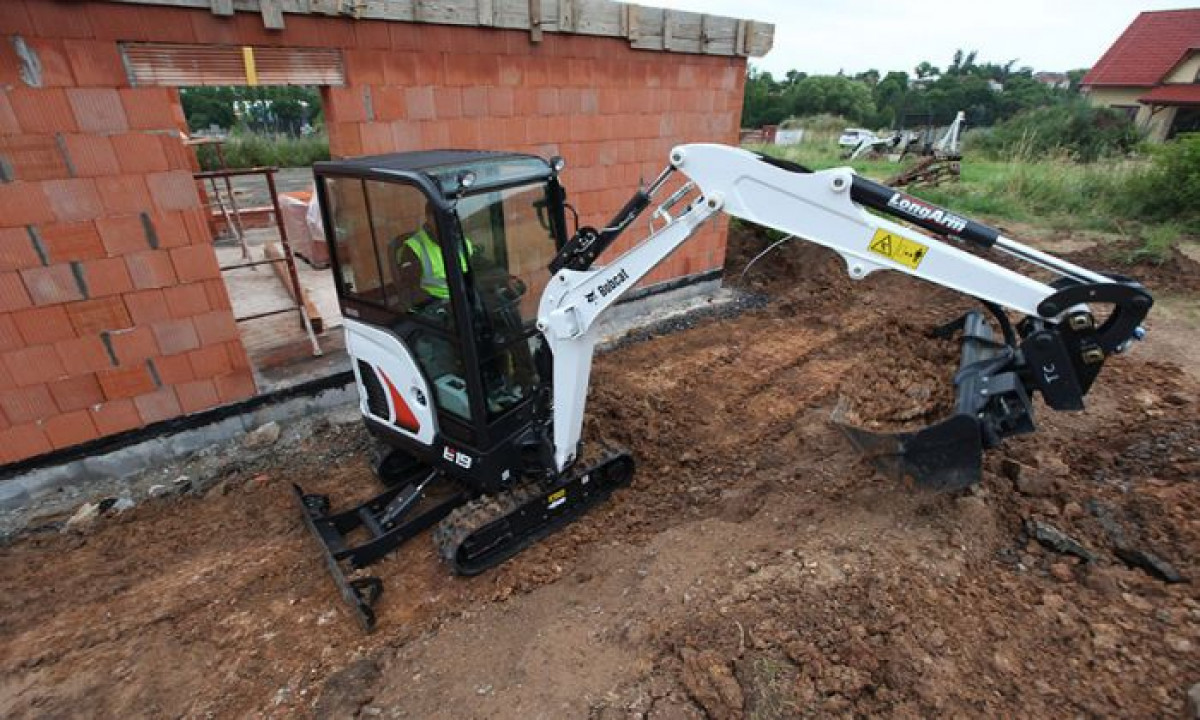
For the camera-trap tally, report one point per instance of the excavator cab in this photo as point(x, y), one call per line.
point(440, 259)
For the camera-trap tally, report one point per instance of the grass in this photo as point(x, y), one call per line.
point(1157, 242)
point(1052, 193)
point(245, 150)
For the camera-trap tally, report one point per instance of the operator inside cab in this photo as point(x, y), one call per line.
point(421, 269)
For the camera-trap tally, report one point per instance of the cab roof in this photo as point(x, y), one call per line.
point(444, 167)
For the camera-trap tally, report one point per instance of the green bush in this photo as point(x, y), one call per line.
point(1073, 129)
point(1168, 190)
point(245, 150)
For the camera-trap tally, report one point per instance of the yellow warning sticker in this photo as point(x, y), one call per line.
point(898, 248)
point(555, 499)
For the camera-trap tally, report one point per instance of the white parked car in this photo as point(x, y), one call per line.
point(851, 137)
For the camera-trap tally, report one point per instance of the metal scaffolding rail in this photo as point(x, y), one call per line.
point(230, 211)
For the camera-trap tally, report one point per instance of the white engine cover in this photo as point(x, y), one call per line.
point(409, 402)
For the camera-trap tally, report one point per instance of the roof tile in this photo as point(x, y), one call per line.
point(1153, 44)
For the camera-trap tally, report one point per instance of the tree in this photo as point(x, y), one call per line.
point(962, 63)
point(833, 94)
point(205, 107)
point(290, 115)
point(261, 108)
point(929, 97)
point(925, 70)
point(890, 96)
point(763, 101)
point(870, 77)
point(1075, 77)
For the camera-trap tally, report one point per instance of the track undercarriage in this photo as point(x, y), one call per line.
point(471, 533)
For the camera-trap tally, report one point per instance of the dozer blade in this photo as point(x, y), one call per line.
point(945, 456)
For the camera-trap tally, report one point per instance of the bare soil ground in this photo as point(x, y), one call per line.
point(756, 568)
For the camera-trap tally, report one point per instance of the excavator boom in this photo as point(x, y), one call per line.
point(1057, 348)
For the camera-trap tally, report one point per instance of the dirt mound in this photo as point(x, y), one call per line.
point(1176, 272)
point(902, 391)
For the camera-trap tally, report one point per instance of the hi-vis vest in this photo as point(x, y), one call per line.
point(433, 269)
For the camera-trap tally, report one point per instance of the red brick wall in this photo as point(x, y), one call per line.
point(612, 112)
point(113, 314)
point(112, 311)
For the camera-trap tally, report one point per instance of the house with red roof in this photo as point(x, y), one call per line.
point(1153, 72)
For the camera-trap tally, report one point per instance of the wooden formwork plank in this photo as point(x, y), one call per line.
point(486, 16)
point(272, 14)
point(646, 28)
point(535, 20)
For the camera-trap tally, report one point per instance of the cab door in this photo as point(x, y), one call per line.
point(511, 248)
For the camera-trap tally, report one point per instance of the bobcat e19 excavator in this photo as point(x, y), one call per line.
point(474, 374)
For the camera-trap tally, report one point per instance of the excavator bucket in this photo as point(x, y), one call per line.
point(991, 402)
point(945, 456)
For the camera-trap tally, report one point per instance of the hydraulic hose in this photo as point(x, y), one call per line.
point(941, 221)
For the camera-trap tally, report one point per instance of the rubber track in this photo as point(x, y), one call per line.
point(457, 527)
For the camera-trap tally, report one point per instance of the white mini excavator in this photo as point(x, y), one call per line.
point(470, 316)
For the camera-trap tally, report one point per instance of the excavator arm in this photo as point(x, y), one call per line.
point(1057, 347)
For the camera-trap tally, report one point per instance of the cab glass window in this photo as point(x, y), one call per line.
point(407, 243)
point(360, 275)
point(511, 246)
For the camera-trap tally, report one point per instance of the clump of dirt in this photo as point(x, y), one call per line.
point(890, 390)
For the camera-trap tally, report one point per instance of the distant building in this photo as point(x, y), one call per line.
point(1152, 72)
point(1055, 80)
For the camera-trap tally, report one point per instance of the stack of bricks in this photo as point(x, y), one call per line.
point(113, 314)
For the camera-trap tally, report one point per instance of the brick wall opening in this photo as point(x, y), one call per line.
point(246, 126)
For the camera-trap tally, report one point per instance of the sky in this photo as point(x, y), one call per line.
point(825, 36)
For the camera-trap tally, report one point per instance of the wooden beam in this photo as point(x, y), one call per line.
point(632, 27)
point(222, 7)
point(568, 17)
point(761, 39)
point(272, 14)
point(535, 21)
point(326, 7)
point(487, 17)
